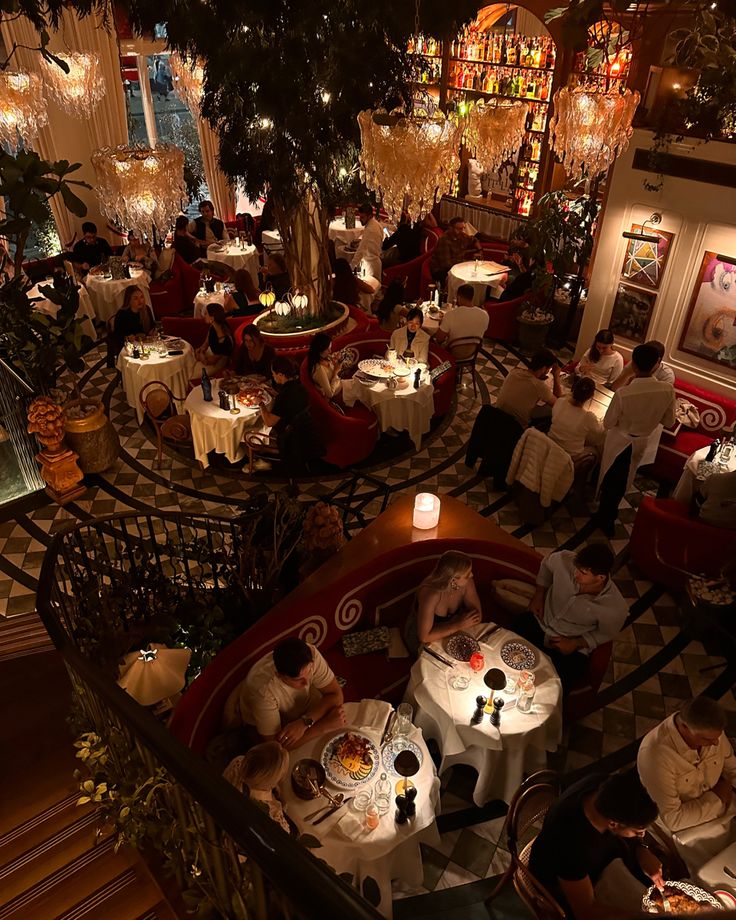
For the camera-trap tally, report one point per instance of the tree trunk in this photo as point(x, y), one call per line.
point(303, 229)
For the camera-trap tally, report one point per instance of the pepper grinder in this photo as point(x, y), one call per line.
point(477, 718)
point(496, 714)
point(417, 376)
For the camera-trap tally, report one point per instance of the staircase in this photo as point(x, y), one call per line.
point(23, 635)
point(54, 867)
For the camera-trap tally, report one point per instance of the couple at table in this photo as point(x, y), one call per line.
point(574, 607)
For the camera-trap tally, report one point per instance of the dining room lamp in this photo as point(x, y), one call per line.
point(642, 236)
point(150, 675)
point(426, 511)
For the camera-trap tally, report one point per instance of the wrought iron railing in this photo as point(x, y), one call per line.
point(110, 584)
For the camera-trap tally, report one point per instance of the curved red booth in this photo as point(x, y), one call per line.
point(502, 322)
point(412, 271)
point(177, 294)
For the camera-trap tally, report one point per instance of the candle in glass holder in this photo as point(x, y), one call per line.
point(426, 511)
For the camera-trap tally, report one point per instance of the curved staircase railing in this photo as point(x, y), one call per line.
point(110, 584)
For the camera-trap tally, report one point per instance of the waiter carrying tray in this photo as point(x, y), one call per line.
point(634, 415)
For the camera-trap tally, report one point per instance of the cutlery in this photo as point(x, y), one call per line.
point(666, 906)
point(330, 804)
point(489, 632)
point(729, 873)
point(332, 811)
point(434, 654)
point(386, 727)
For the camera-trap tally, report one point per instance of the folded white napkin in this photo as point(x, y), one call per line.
point(370, 715)
point(350, 825)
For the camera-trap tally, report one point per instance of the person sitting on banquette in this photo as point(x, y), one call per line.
point(258, 774)
point(411, 337)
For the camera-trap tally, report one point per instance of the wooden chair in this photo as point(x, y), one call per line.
point(528, 808)
point(465, 352)
point(159, 405)
point(263, 446)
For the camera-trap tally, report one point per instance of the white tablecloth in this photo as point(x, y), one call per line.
point(338, 231)
point(485, 274)
point(688, 482)
point(366, 300)
point(405, 410)
point(237, 258)
point(712, 874)
point(271, 241)
point(216, 429)
point(502, 756)
point(173, 370)
point(107, 296)
point(202, 298)
point(85, 312)
point(390, 851)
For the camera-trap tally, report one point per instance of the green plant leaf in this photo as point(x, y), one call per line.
point(73, 203)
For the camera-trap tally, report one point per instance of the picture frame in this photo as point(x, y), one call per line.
point(632, 312)
point(645, 261)
point(709, 330)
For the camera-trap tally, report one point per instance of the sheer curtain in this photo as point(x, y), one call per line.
point(222, 192)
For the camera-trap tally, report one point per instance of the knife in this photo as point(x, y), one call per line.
point(332, 811)
point(729, 872)
point(489, 632)
point(439, 657)
point(385, 727)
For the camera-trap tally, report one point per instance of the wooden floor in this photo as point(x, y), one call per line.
point(52, 866)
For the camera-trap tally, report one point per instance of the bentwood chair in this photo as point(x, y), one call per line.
point(465, 352)
point(159, 405)
point(527, 811)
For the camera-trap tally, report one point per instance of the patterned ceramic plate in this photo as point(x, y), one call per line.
point(461, 646)
point(376, 367)
point(519, 656)
point(652, 900)
point(390, 751)
point(350, 759)
point(252, 397)
point(401, 370)
point(347, 357)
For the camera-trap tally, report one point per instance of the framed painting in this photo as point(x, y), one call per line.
point(645, 261)
point(710, 325)
point(632, 313)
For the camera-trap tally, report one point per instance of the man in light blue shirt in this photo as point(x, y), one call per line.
point(575, 608)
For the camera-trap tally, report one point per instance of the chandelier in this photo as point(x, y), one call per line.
point(590, 129)
point(188, 79)
point(140, 187)
point(78, 93)
point(406, 159)
point(22, 108)
point(494, 131)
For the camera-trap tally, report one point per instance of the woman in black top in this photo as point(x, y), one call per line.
point(256, 357)
point(215, 351)
point(243, 301)
point(133, 318)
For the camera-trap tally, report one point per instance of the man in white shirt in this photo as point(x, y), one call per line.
point(525, 387)
point(662, 372)
point(465, 320)
point(688, 767)
point(633, 414)
point(371, 242)
point(289, 695)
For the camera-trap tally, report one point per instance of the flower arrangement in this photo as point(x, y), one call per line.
point(322, 530)
point(536, 315)
point(46, 419)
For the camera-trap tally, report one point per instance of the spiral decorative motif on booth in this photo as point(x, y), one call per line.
point(712, 418)
point(348, 613)
point(314, 631)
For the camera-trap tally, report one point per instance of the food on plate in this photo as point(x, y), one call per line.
point(353, 754)
point(680, 903)
point(251, 397)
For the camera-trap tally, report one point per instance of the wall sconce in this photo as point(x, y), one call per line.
point(426, 511)
point(654, 219)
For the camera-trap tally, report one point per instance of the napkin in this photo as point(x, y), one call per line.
point(370, 715)
point(350, 825)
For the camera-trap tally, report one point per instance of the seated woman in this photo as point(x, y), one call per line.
point(256, 357)
point(140, 252)
point(575, 429)
point(257, 774)
point(276, 274)
point(391, 309)
point(243, 301)
point(602, 362)
point(445, 602)
point(520, 284)
point(185, 244)
point(411, 339)
point(215, 351)
point(133, 318)
point(347, 287)
point(322, 369)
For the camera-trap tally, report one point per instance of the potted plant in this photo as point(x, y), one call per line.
point(534, 324)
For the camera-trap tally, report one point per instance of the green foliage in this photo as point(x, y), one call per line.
point(562, 234)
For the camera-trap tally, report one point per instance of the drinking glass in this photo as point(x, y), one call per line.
point(363, 798)
point(372, 817)
point(404, 715)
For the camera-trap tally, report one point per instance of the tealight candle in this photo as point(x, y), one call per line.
point(426, 511)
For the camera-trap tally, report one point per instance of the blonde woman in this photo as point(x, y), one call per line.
point(257, 774)
point(445, 602)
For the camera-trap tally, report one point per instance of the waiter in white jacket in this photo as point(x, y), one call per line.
point(371, 242)
point(635, 412)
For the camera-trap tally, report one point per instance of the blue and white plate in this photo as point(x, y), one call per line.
point(390, 751)
point(518, 655)
point(345, 769)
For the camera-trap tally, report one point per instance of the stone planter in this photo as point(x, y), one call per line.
point(533, 336)
point(90, 434)
point(299, 339)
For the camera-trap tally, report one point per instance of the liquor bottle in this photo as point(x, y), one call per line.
point(531, 87)
point(496, 49)
point(206, 387)
point(551, 55)
point(476, 77)
point(544, 92)
point(410, 45)
point(536, 150)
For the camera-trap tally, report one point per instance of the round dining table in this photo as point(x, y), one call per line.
point(501, 756)
point(403, 409)
point(480, 276)
point(107, 293)
point(85, 311)
point(271, 242)
point(175, 370)
point(216, 429)
point(389, 851)
point(202, 299)
point(692, 473)
point(236, 258)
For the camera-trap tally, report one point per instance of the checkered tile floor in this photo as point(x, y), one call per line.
point(653, 667)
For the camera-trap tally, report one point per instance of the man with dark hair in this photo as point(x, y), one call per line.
point(662, 372)
point(634, 416)
point(525, 387)
point(91, 250)
point(452, 247)
point(185, 244)
point(370, 246)
point(688, 767)
point(589, 852)
point(576, 607)
point(207, 228)
point(289, 695)
point(465, 320)
point(523, 278)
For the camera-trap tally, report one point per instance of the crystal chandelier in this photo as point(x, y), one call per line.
point(22, 108)
point(140, 187)
point(78, 93)
point(590, 129)
point(406, 159)
point(494, 131)
point(188, 79)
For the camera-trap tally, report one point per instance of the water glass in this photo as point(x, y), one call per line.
point(404, 715)
point(363, 798)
